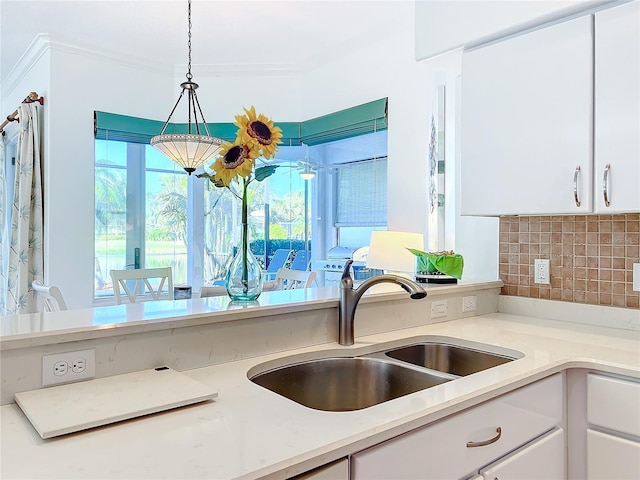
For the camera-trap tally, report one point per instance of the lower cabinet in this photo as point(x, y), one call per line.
point(509, 434)
point(613, 428)
point(541, 459)
point(611, 457)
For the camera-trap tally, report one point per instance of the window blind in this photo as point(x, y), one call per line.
point(361, 194)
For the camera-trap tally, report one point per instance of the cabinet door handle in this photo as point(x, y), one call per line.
point(575, 185)
point(605, 185)
point(484, 443)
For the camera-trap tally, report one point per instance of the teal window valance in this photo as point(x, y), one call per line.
point(366, 118)
point(359, 120)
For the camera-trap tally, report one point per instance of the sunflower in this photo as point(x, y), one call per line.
point(235, 160)
point(259, 132)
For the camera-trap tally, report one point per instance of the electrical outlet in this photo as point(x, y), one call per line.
point(60, 368)
point(636, 277)
point(469, 303)
point(68, 367)
point(438, 309)
point(541, 271)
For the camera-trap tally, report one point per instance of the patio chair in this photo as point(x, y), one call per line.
point(278, 261)
point(288, 279)
point(300, 261)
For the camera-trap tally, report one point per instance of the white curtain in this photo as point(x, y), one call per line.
point(25, 261)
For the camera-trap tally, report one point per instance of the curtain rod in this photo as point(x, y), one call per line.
point(32, 97)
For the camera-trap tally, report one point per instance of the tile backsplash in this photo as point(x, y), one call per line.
point(591, 257)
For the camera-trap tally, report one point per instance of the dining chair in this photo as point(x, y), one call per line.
point(124, 278)
point(288, 279)
point(51, 296)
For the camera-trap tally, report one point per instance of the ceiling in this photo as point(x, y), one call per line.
point(288, 33)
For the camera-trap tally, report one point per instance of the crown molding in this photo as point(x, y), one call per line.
point(111, 57)
point(31, 56)
point(43, 43)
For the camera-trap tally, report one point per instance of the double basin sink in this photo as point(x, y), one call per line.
point(344, 383)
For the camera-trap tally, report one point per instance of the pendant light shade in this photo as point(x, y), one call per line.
point(192, 149)
point(188, 151)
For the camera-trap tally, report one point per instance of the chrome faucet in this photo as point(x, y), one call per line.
point(349, 298)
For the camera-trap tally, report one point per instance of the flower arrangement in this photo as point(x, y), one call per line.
point(234, 169)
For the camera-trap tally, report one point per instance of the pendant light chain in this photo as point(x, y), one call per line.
point(189, 76)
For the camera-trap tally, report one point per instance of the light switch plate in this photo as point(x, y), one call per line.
point(636, 277)
point(438, 309)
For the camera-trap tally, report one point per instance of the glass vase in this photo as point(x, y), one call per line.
point(244, 279)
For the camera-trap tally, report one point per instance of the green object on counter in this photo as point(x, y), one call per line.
point(448, 264)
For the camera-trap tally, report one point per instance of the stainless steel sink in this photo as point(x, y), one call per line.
point(345, 383)
point(452, 359)
point(338, 383)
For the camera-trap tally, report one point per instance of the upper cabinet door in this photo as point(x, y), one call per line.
point(527, 116)
point(617, 110)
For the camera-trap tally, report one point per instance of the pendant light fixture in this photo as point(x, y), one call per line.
point(192, 149)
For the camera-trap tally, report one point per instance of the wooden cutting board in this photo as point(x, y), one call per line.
point(73, 407)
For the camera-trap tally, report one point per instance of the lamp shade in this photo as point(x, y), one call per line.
point(187, 150)
point(388, 250)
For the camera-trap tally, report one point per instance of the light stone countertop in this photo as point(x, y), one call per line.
point(250, 432)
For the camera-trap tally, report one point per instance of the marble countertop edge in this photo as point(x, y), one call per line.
point(149, 316)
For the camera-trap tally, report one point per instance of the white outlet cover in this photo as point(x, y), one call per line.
point(51, 374)
point(541, 271)
point(636, 277)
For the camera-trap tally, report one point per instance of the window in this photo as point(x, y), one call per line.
point(145, 208)
point(141, 215)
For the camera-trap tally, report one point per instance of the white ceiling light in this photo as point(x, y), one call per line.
point(192, 149)
point(308, 173)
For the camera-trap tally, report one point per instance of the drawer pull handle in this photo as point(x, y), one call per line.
point(484, 443)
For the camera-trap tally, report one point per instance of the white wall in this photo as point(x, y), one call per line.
point(222, 97)
point(386, 68)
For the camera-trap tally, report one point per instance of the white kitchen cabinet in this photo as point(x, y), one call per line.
point(612, 458)
point(543, 458)
point(613, 433)
point(527, 118)
point(617, 109)
point(462, 444)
